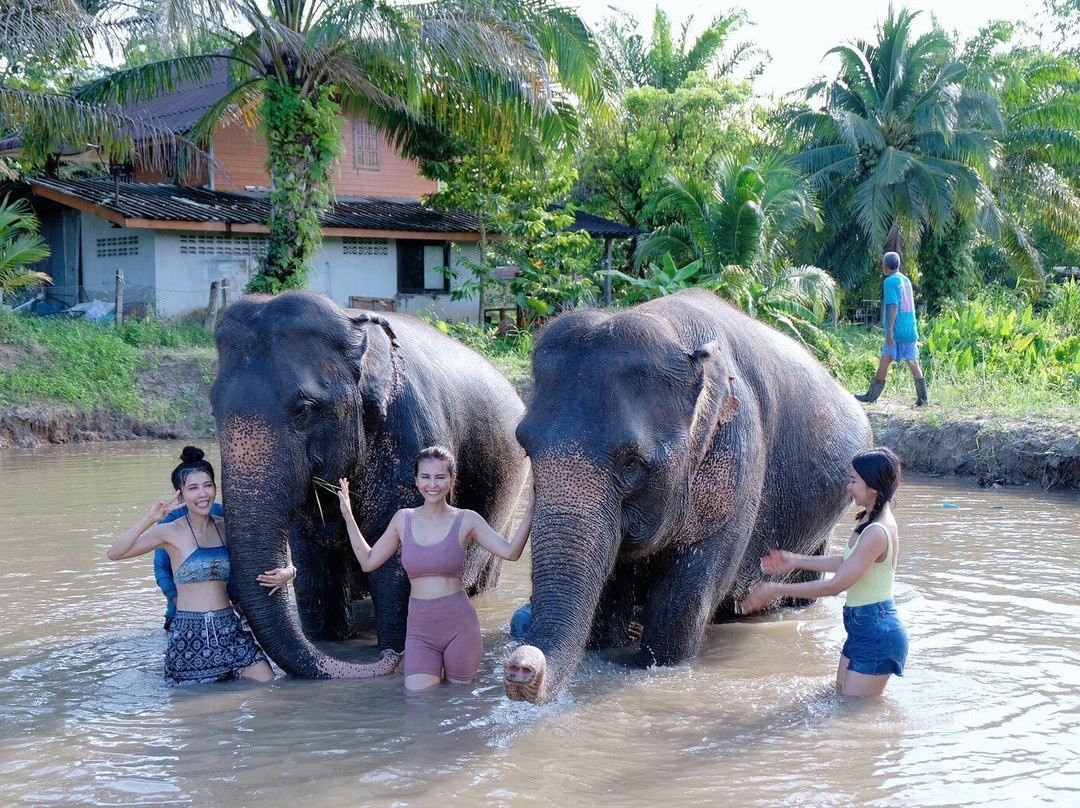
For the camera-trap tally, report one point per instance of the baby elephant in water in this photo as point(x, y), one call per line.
point(672, 446)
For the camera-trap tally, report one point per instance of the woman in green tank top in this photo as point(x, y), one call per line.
point(877, 642)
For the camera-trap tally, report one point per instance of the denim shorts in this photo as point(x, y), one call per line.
point(877, 641)
point(901, 350)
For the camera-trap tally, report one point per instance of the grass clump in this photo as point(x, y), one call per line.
point(92, 365)
point(151, 333)
point(510, 354)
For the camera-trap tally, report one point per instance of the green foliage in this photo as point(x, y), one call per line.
point(93, 365)
point(898, 149)
point(662, 280)
point(558, 267)
point(1063, 307)
point(20, 246)
point(303, 147)
point(510, 353)
point(1037, 211)
point(659, 134)
point(666, 63)
point(738, 224)
point(153, 333)
point(1001, 335)
point(947, 265)
point(70, 361)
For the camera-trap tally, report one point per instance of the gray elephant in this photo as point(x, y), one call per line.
point(307, 392)
point(672, 445)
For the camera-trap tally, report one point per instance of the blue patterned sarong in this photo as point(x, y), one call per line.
point(209, 647)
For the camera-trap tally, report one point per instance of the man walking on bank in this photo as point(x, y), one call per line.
point(901, 337)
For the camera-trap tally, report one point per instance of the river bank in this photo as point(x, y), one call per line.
point(994, 451)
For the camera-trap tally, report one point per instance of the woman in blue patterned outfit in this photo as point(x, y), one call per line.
point(207, 642)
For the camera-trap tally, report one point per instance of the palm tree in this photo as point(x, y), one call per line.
point(740, 226)
point(665, 63)
point(20, 246)
point(410, 68)
point(47, 33)
point(1035, 185)
point(898, 148)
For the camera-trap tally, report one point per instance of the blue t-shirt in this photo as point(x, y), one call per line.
point(897, 292)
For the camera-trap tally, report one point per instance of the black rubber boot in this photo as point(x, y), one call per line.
point(921, 398)
point(871, 395)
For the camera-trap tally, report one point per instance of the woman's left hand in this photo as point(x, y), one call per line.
point(760, 596)
point(275, 579)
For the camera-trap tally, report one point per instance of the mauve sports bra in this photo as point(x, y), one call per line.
point(445, 559)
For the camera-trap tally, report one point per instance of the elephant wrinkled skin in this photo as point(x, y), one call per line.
point(309, 391)
point(672, 445)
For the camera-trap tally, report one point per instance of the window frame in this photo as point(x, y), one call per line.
point(407, 245)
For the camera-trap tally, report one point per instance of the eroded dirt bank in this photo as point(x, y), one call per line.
point(994, 451)
point(991, 450)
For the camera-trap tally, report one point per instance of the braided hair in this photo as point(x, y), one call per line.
point(191, 459)
point(880, 469)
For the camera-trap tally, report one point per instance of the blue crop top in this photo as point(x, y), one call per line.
point(204, 563)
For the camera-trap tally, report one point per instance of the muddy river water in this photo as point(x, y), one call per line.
point(987, 714)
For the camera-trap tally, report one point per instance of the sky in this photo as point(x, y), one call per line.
point(798, 32)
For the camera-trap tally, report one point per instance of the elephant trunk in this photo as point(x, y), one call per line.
point(575, 541)
point(260, 498)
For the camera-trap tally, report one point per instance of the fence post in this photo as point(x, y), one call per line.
point(212, 307)
point(119, 297)
point(226, 293)
point(607, 272)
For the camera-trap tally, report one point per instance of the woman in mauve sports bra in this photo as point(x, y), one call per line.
point(207, 642)
point(442, 635)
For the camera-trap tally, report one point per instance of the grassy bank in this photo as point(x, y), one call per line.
point(995, 359)
point(145, 371)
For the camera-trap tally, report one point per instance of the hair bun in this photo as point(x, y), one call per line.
point(191, 454)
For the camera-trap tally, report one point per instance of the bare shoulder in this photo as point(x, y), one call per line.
point(471, 521)
point(170, 534)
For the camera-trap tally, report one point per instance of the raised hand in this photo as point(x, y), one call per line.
point(160, 509)
point(777, 562)
point(343, 496)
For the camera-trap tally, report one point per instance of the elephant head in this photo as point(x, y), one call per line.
point(301, 385)
point(619, 430)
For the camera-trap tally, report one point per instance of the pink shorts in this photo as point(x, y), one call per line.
point(443, 634)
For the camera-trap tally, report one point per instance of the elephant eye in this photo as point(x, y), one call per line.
point(630, 468)
point(305, 407)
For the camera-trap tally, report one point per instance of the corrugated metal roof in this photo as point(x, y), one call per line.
point(599, 227)
point(172, 203)
point(178, 110)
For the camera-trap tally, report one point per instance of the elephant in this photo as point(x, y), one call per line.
point(672, 445)
point(308, 393)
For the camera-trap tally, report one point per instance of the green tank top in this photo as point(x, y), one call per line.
point(877, 582)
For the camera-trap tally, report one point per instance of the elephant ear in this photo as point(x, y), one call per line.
point(371, 355)
point(716, 402)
